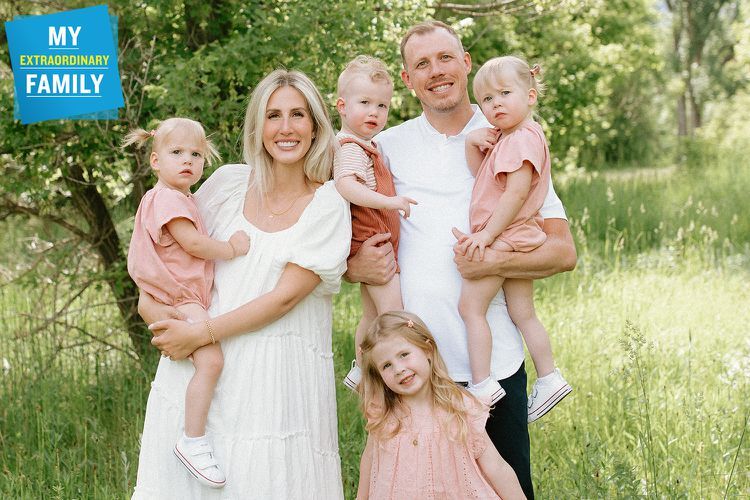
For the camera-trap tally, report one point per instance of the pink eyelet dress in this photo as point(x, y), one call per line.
point(421, 462)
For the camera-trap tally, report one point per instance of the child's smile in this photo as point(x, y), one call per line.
point(404, 367)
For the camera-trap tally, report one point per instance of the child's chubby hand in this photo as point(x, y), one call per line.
point(483, 139)
point(476, 242)
point(402, 204)
point(240, 243)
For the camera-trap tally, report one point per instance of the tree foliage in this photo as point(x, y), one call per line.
point(600, 63)
point(184, 58)
point(201, 59)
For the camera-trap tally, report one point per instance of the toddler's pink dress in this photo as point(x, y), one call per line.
point(156, 262)
point(527, 143)
point(421, 462)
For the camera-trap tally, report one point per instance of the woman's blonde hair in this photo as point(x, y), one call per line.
point(380, 404)
point(527, 76)
point(161, 133)
point(318, 159)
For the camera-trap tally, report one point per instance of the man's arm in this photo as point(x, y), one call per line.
point(374, 263)
point(556, 255)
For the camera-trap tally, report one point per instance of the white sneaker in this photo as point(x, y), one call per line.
point(488, 390)
point(354, 377)
point(546, 393)
point(198, 457)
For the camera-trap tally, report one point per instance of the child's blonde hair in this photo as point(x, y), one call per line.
point(367, 66)
point(527, 76)
point(379, 402)
point(140, 137)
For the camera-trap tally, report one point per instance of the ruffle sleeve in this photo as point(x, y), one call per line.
point(322, 238)
point(227, 184)
point(522, 144)
point(477, 419)
point(167, 205)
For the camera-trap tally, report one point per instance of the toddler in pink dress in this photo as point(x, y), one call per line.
point(426, 434)
point(170, 258)
point(511, 164)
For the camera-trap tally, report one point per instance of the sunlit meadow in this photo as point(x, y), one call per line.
point(650, 329)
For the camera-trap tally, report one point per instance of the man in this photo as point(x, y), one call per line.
point(428, 163)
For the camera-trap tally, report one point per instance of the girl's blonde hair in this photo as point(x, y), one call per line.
point(319, 158)
point(379, 403)
point(161, 133)
point(527, 76)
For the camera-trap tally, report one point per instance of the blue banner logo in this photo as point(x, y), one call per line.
point(65, 65)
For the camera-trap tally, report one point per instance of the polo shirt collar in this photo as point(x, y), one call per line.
point(475, 122)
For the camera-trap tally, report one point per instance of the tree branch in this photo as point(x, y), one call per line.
point(9, 207)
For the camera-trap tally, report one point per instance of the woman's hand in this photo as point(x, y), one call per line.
point(178, 339)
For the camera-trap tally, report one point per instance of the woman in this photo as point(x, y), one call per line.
point(273, 417)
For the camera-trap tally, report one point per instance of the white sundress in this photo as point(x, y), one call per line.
point(272, 420)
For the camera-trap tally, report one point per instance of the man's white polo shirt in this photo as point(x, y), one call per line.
point(431, 168)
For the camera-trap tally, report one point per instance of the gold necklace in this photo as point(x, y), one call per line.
point(273, 214)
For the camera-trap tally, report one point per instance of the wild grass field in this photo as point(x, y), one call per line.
point(650, 329)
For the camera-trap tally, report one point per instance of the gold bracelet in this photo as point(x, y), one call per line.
point(234, 250)
point(210, 331)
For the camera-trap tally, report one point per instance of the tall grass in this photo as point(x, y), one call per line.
point(650, 329)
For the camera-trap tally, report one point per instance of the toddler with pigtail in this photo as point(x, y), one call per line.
point(171, 258)
point(426, 435)
point(511, 163)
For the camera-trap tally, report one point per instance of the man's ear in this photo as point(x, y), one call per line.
point(405, 79)
point(467, 62)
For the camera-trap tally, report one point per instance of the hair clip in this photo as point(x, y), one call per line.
point(535, 70)
point(152, 132)
point(410, 324)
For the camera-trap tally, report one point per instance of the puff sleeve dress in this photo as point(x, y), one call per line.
point(421, 462)
point(272, 420)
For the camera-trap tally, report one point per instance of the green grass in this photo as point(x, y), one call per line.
point(650, 329)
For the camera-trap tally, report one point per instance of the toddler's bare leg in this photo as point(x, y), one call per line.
point(519, 295)
point(208, 362)
point(473, 304)
point(369, 313)
point(387, 297)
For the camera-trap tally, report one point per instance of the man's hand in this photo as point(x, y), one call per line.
point(556, 255)
point(374, 263)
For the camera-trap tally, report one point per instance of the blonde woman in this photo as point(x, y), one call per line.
point(273, 417)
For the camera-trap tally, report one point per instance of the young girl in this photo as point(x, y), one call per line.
point(170, 259)
point(511, 164)
point(426, 434)
point(362, 177)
